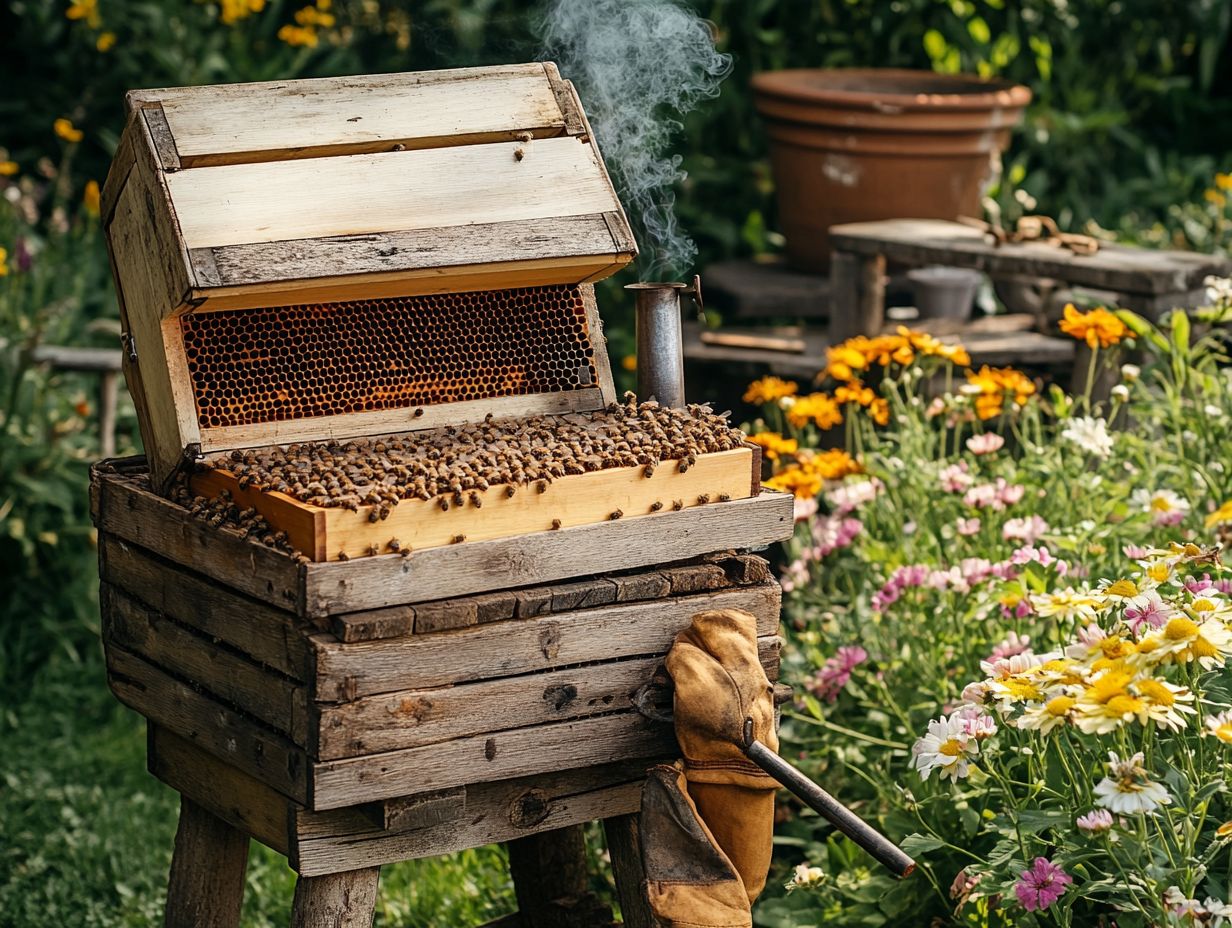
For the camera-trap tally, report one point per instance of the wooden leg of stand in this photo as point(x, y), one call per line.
point(857, 295)
point(550, 877)
point(206, 886)
point(624, 845)
point(337, 900)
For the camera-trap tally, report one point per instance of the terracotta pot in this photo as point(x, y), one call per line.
point(852, 145)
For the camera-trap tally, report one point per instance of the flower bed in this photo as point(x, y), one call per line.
point(1009, 627)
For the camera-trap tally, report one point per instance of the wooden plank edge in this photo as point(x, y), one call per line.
point(160, 133)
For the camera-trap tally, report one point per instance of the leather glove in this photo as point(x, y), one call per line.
point(689, 880)
point(719, 682)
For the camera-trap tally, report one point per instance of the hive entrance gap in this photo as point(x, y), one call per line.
point(254, 366)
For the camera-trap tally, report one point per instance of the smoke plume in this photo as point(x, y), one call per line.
point(639, 66)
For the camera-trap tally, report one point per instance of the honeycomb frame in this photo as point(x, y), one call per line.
point(251, 367)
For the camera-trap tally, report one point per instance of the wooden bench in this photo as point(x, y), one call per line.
point(1148, 282)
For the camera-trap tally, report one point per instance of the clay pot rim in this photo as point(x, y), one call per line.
point(970, 92)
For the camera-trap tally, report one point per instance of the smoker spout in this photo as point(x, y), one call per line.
point(660, 345)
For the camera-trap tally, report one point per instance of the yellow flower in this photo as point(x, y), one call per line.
point(1098, 328)
point(1107, 703)
point(879, 411)
point(769, 389)
point(629, 362)
point(845, 361)
point(773, 444)
point(84, 9)
point(929, 346)
point(1223, 181)
point(991, 386)
point(817, 408)
point(90, 198)
point(232, 11)
point(65, 129)
point(796, 480)
point(1215, 198)
point(105, 42)
point(298, 36)
point(834, 464)
point(4, 261)
point(1220, 516)
point(854, 392)
point(9, 168)
point(1121, 589)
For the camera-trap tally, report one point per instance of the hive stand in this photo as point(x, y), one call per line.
point(352, 714)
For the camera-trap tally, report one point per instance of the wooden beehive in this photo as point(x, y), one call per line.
point(362, 262)
point(328, 260)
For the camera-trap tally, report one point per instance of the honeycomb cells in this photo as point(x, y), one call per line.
point(252, 366)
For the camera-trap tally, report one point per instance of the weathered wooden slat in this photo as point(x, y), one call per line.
point(350, 671)
point(347, 115)
point(263, 633)
point(499, 811)
point(229, 793)
point(176, 706)
point(394, 252)
point(261, 693)
point(374, 625)
point(411, 718)
point(446, 805)
point(488, 757)
point(129, 510)
point(240, 204)
point(624, 845)
point(458, 570)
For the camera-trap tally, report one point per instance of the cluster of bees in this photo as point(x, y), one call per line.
point(453, 465)
point(223, 512)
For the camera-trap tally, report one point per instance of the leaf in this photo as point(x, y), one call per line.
point(1033, 821)
point(916, 844)
point(1143, 329)
point(1179, 321)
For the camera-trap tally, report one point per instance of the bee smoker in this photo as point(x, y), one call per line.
point(660, 345)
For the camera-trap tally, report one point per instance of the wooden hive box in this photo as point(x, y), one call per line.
point(332, 260)
point(352, 714)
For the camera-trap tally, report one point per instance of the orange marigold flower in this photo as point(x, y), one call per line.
point(796, 480)
point(629, 362)
point(4, 261)
point(9, 168)
point(774, 445)
point(847, 360)
point(90, 199)
point(105, 41)
point(1098, 328)
point(84, 9)
point(854, 392)
point(879, 411)
point(993, 385)
point(67, 131)
point(834, 464)
point(769, 390)
point(930, 346)
point(817, 408)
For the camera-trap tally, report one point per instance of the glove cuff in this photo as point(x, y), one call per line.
point(735, 771)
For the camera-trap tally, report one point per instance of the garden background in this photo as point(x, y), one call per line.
point(1131, 124)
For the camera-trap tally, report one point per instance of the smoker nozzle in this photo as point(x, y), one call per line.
point(660, 343)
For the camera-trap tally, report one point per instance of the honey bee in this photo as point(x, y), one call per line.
point(656, 505)
point(458, 539)
point(677, 505)
point(616, 515)
point(556, 523)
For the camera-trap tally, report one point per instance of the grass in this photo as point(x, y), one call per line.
point(87, 832)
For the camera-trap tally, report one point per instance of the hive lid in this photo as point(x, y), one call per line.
point(386, 185)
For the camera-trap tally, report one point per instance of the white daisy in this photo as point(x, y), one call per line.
point(1129, 790)
point(1165, 506)
point(946, 748)
point(1091, 435)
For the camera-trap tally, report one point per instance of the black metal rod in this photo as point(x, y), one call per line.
point(881, 848)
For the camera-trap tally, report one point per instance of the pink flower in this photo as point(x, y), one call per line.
point(1135, 552)
point(963, 886)
point(1041, 885)
point(804, 509)
point(1147, 608)
point(985, 444)
point(1027, 530)
point(1014, 643)
point(977, 724)
point(835, 673)
point(994, 495)
point(848, 496)
point(834, 532)
point(1095, 822)
point(795, 575)
point(968, 526)
point(955, 479)
point(1010, 493)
